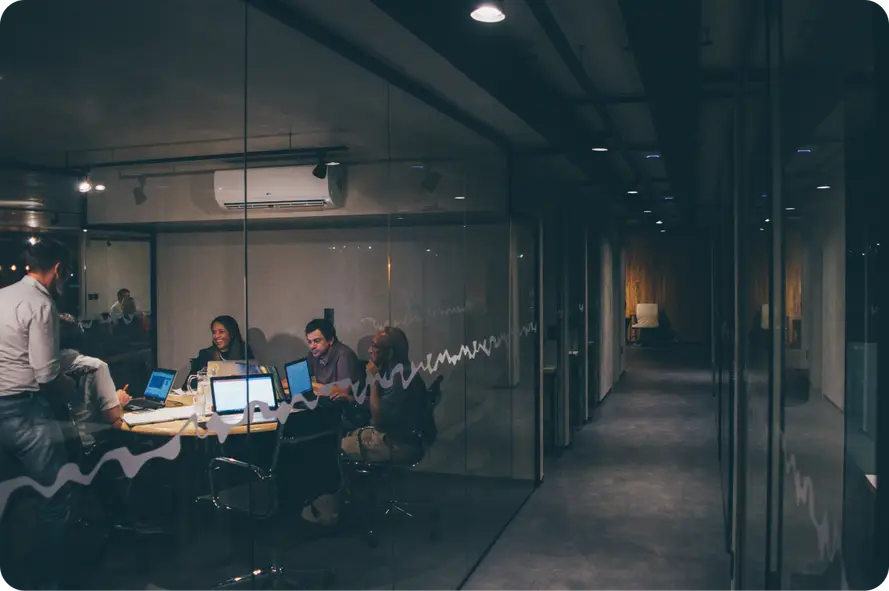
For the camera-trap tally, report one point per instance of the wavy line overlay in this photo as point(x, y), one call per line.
point(131, 463)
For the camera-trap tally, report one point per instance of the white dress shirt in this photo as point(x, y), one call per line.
point(29, 337)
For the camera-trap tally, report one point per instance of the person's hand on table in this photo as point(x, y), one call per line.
point(123, 396)
point(339, 393)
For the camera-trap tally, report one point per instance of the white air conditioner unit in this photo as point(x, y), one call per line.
point(281, 188)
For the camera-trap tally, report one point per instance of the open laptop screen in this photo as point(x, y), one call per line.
point(159, 384)
point(230, 393)
point(299, 380)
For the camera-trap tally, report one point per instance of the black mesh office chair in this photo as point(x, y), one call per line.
point(371, 475)
point(256, 497)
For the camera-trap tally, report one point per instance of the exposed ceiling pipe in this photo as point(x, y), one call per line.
point(557, 37)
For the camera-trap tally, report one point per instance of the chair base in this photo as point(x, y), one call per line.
point(395, 508)
point(274, 577)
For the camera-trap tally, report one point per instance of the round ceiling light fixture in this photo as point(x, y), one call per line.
point(85, 185)
point(489, 11)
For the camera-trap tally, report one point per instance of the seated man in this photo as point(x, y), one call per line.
point(332, 363)
point(102, 402)
point(397, 407)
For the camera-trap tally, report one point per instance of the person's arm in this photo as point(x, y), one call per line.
point(347, 365)
point(43, 351)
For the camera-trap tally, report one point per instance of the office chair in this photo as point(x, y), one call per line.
point(646, 318)
point(257, 499)
point(383, 471)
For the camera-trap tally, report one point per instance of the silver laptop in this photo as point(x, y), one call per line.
point(230, 394)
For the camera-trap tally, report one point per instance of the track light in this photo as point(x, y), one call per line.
point(488, 11)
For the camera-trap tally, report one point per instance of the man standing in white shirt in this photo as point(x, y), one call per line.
point(30, 374)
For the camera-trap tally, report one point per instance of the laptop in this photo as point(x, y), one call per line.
point(159, 385)
point(221, 369)
point(230, 396)
point(299, 379)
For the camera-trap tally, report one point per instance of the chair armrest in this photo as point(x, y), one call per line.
point(221, 461)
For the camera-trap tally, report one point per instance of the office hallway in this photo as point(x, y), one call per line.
point(636, 503)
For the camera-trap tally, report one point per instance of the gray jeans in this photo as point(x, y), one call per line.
point(30, 432)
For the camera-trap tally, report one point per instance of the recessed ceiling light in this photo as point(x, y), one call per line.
point(822, 187)
point(489, 11)
point(668, 198)
point(804, 151)
point(333, 163)
point(32, 240)
point(789, 209)
point(764, 195)
point(632, 192)
point(647, 211)
point(663, 231)
point(767, 220)
point(659, 222)
point(600, 149)
point(85, 230)
point(652, 156)
point(100, 187)
point(762, 229)
point(84, 186)
point(459, 197)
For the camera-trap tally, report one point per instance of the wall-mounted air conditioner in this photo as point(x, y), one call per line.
point(281, 188)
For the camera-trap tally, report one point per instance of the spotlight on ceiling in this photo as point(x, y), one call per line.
point(632, 192)
point(663, 231)
point(85, 185)
point(32, 240)
point(430, 181)
point(600, 149)
point(650, 156)
point(804, 151)
point(789, 209)
point(460, 197)
point(488, 11)
point(320, 171)
point(100, 187)
point(822, 187)
point(647, 211)
point(668, 198)
point(659, 222)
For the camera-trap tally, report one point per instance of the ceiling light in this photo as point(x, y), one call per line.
point(84, 186)
point(647, 211)
point(460, 197)
point(668, 198)
point(320, 171)
point(804, 151)
point(100, 187)
point(789, 209)
point(763, 195)
point(649, 156)
point(333, 163)
point(767, 220)
point(600, 149)
point(659, 222)
point(632, 192)
point(762, 229)
point(12, 268)
point(489, 11)
point(32, 240)
point(28, 268)
point(822, 187)
point(85, 230)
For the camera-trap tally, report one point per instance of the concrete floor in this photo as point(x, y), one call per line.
point(636, 503)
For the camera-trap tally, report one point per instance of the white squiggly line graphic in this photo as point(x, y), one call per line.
point(828, 539)
point(131, 464)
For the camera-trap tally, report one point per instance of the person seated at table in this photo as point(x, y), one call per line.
point(397, 403)
point(119, 309)
point(397, 408)
point(331, 362)
point(102, 401)
point(227, 345)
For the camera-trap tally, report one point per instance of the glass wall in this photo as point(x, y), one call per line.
point(247, 207)
point(804, 506)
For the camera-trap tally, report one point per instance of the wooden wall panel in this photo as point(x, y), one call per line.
point(672, 271)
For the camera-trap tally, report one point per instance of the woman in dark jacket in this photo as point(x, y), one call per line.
point(228, 345)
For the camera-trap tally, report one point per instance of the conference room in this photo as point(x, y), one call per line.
point(238, 179)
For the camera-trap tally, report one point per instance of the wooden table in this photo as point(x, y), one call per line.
point(187, 427)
